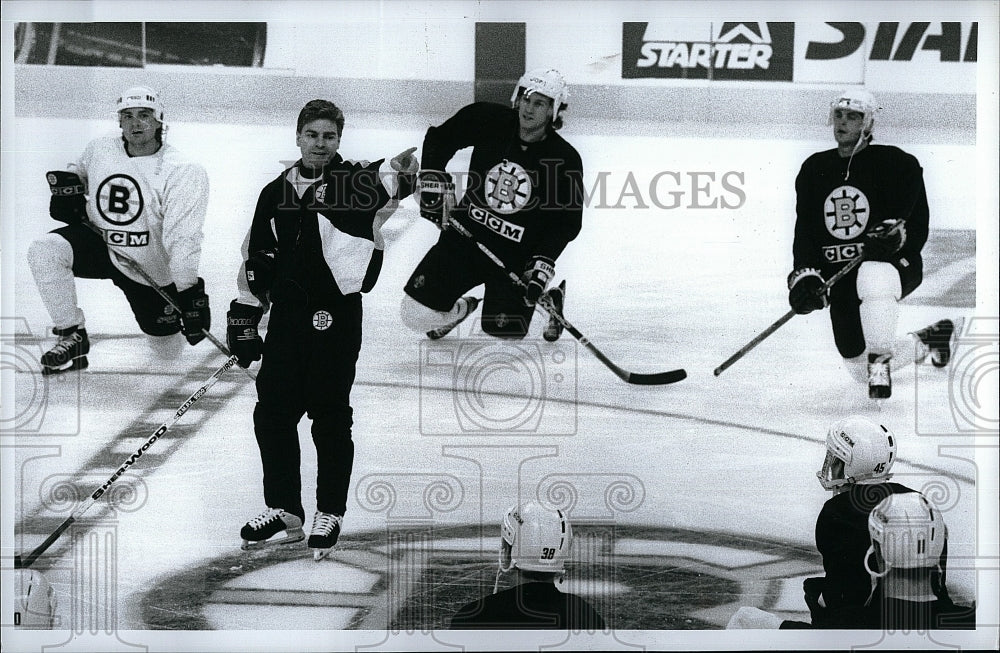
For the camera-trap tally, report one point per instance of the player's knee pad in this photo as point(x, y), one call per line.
point(419, 318)
point(166, 347)
point(50, 256)
point(877, 279)
point(879, 289)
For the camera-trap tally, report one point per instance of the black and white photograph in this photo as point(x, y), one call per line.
point(499, 325)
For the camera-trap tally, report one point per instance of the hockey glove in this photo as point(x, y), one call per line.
point(68, 202)
point(887, 238)
point(259, 270)
point(241, 332)
point(196, 315)
point(437, 197)
point(805, 293)
point(537, 274)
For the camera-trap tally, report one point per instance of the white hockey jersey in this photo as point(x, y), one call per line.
point(150, 208)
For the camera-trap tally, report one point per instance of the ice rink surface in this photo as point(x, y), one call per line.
point(732, 458)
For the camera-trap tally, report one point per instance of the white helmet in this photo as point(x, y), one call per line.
point(34, 600)
point(857, 451)
point(860, 100)
point(534, 537)
point(141, 97)
point(908, 532)
point(547, 81)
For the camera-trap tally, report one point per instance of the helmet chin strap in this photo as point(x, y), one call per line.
point(857, 146)
point(874, 574)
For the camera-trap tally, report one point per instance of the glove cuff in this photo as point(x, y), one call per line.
point(798, 275)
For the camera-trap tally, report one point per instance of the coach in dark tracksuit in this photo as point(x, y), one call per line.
point(314, 246)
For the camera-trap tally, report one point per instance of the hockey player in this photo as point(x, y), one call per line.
point(148, 202)
point(859, 458)
point(523, 201)
point(865, 200)
point(535, 541)
point(907, 538)
point(314, 246)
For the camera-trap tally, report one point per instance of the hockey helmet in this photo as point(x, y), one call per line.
point(547, 81)
point(34, 600)
point(906, 533)
point(860, 100)
point(858, 450)
point(141, 97)
point(534, 537)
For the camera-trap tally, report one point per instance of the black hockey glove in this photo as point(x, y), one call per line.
point(260, 269)
point(887, 238)
point(437, 196)
point(804, 294)
point(195, 312)
point(68, 202)
point(241, 332)
point(537, 274)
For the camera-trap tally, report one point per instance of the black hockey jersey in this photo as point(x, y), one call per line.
point(842, 539)
point(533, 606)
point(523, 199)
point(834, 213)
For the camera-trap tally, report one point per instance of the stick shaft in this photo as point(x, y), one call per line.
point(777, 324)
point(134, 265)
point(25, 562)
point(545, 302)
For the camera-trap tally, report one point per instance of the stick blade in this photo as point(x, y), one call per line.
point(660, 378)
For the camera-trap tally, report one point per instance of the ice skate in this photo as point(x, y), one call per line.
point(938, 338)
point(879, 380)
point(325, 531)
point(69, 354)
point(264, 529)
point(471, 302)
point(554, 328)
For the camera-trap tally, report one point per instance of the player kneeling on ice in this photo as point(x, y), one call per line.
point(864, 200)
point(315, 245)
point(523, 201)
point(535, 541)
point(130, 201)
point(907, 539)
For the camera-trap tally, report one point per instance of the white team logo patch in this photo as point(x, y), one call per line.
point(322, 320)
point(320, 193)
point(508, 187)
point(119, 200)
point(846, 212)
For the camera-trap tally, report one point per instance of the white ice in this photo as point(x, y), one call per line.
point(653, 288)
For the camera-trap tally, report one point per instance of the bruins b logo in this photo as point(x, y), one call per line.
point(846, 212)
point(508, 187)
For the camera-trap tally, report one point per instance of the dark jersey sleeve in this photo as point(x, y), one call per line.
point(261, 237)
point(462, 130)
point(913, 207)
point(354, 193)
point(805, 249)
point(568, 201)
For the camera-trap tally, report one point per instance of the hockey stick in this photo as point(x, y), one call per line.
point(134, 265)
point(27, 561)
point(853, 263)
point(659, 378)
